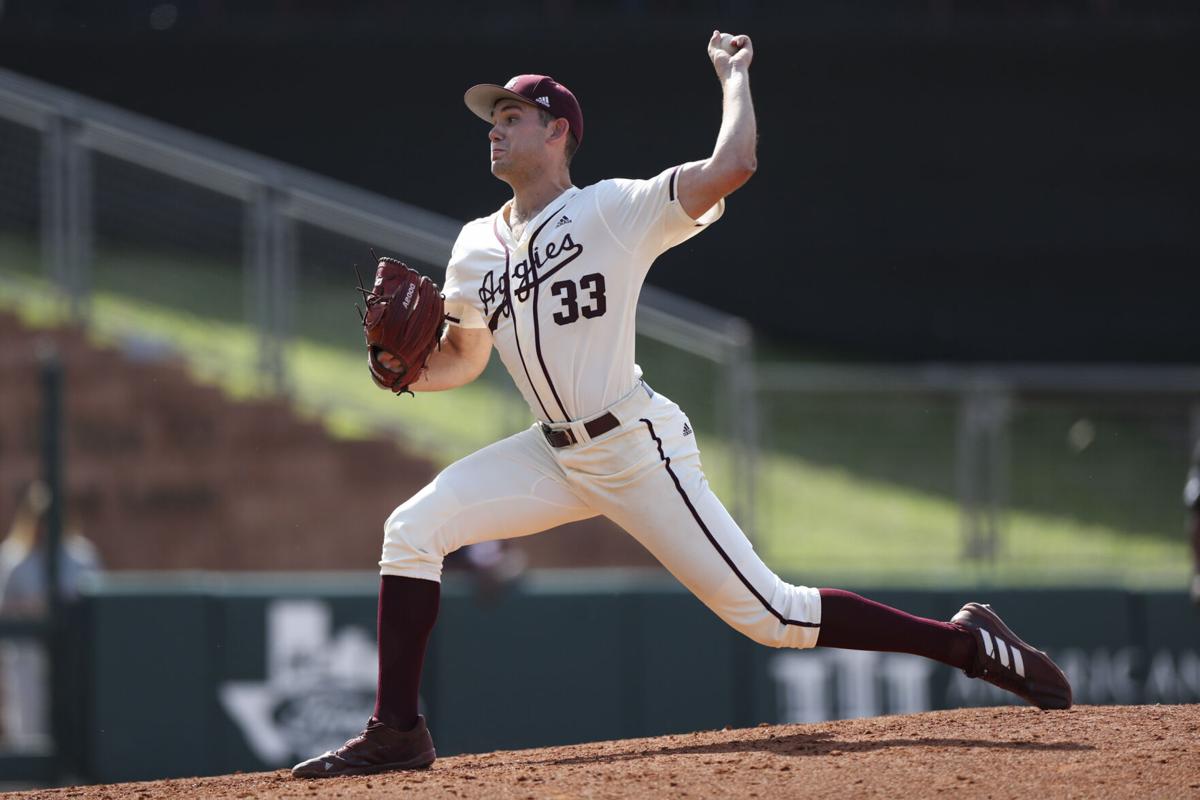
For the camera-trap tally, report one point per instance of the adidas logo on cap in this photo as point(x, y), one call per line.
point(545, 101)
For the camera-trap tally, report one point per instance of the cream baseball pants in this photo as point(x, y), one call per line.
point(645, 476)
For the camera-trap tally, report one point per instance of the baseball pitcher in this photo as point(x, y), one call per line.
point(551, 281)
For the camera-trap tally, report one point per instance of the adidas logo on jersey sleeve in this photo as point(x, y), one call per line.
point(687, 429)
point(563, 220)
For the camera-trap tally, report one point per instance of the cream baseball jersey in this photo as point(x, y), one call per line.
point(561, 300)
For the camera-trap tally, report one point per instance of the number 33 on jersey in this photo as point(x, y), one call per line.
point(561, 300)
point(594, 282)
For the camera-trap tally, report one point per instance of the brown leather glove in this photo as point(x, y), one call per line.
point(404, 317)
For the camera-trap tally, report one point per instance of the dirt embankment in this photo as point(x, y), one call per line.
point(1088, 752)
point(164, 473)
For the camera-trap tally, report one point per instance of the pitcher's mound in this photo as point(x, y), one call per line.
point(1090, 751)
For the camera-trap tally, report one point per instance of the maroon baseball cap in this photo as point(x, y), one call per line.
point(537, 90)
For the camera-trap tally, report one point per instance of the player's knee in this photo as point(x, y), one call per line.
point(773, 633)
point(410, 541)
point(404, 533)
point(788, 618)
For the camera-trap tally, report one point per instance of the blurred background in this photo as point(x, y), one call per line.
point(944, 346)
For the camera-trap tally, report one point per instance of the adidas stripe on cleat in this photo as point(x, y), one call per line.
point(1003, 660)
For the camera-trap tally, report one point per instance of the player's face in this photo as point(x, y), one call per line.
point(517, 140)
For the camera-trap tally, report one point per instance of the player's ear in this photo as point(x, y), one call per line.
point(558, 130)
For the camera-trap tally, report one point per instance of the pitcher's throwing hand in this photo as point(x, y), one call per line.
point(729, 52)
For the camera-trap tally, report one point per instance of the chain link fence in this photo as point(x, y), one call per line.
point(183, 248)
point(176, 246)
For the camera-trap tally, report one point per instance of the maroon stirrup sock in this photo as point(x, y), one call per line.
point(408, 607)
point(856, 623)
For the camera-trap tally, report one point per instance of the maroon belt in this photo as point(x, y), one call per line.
point(565, 437)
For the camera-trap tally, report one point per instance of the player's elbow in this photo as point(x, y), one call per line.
point(735, 168)
point(746, 172)
point(473, 356)
point(736, 171)
point(475, 370)
point(738, 174)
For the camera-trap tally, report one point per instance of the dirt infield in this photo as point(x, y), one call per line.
point(1090, 751)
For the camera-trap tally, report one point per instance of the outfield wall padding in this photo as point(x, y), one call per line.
point(223, 676)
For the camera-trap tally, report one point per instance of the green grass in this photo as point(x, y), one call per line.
point(849, 490)
point(826, 523)
point(1127, 475)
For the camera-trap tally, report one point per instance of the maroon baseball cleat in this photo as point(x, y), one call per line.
point(1003, 660)
point(379, 748)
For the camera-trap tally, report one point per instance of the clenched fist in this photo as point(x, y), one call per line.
point(729, 52)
